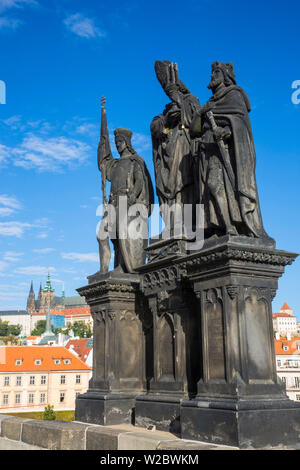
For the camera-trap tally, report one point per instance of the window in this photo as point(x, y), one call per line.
point(32, 380)
point(5, 400)
point(297, 382)
point(78, 379)
point(56, 361)
point(18, 399)
point(6, 381)
point(38, 362)
point(62, 397)
point(18, 381)
point(43, 380)
point(283, 379)
point(67, 361)
point(62, 379)
point(76, 394)
point(298, 397)
point(279, 363)
point(31, 398)
point(18, 362)
point(43, 398)
point(285, 348)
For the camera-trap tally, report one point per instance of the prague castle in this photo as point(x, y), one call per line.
point(47, 298)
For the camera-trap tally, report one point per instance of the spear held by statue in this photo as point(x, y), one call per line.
point(104, 150)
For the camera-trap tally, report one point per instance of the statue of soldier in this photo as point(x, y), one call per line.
point(224, 145)
point(172, 157)
point(129, 179)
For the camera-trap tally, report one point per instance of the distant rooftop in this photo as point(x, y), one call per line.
point(285, 307)
point(13, 312)
point(54, 358)
point(76, 300)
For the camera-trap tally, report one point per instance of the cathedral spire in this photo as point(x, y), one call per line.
point(30, 307)
point(48, 287)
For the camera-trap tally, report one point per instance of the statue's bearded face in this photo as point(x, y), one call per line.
point(217, 78)
point(120, 144)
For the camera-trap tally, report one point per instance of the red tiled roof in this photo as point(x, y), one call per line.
point(72, 312)
point(285, 307)
point(69, 312)
point(280, 314)
point(79, 347)
point(28, 355)
point(292, 346)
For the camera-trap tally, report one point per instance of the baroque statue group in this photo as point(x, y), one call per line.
point(183, 334)
point(201, 155)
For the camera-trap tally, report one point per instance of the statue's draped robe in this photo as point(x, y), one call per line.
point(231, 107)
point(136, 179)
point(173, 163)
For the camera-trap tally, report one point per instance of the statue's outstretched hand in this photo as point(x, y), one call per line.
point(222, 133)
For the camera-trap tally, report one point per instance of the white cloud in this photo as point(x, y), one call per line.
point(50, 154)
point(5, 211)
point(3, 265)
point(9, 201)
point(43, 251)
point(81, 257)
point(86, 129)
point(83, 26)
point(34, 270)
point(14, 122)
point(12, 256)
point(6, 4)
point(141, 142)
point(42, 235)
point(8, 22)
point(13, 229)
point(4, 150)
point(43, 222)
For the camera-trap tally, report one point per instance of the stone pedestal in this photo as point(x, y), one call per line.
point(240, 400)
point(120, 343)
point(175, 340)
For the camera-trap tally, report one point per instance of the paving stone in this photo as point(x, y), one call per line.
point(7, 444)
point(179, 444)
point(139, 441)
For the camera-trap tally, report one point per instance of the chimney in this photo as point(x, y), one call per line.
point(288, 336)
point(277, 336)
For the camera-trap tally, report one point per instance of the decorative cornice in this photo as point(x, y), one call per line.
point(157, 280)
point(237, 254)
point(99, 289)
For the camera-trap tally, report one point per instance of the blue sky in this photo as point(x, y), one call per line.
point(59, 57)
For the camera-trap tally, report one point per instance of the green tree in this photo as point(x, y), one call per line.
point(81, 329)
point(40, 328)
point(49, 413)
point(3, 328)
point(14, 330)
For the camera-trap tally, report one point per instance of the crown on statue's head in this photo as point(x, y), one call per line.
point(125, 133)
point(227, 69)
